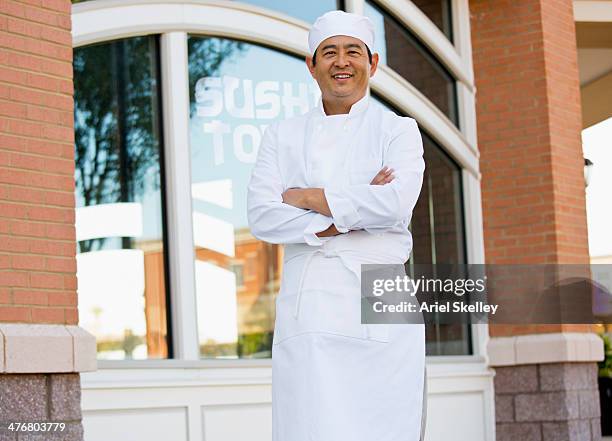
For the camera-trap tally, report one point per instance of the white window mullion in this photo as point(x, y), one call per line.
point(175, 93)
point(355, 6)
point(462, 37)
point(474, 240)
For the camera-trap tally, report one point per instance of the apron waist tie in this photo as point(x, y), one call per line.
point(327, 253)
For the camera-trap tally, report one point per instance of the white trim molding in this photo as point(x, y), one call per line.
point(175, 99)
point(414, 19)
point(593, 11)
point(563, 347)
point(355, 6)
point(41, 348)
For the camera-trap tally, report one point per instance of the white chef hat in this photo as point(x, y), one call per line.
point(335, 23)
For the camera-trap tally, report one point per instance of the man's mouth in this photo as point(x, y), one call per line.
point(342, 76)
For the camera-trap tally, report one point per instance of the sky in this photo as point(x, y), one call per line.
point(597, 146)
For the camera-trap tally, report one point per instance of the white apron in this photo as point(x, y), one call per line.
point(335, 379)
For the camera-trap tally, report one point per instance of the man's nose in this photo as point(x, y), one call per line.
point(342, 60)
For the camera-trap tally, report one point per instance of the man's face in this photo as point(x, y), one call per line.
point(342, 67)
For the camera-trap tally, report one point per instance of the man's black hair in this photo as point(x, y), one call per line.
point(314, 56)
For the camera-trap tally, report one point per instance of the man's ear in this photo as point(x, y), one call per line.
point(374, 64)
point(311, 67)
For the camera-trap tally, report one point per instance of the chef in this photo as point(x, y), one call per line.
point(337, 187)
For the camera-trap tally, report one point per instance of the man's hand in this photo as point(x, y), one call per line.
point(296, 197)
point(384, 176)
point(331, 231)
point(314, 198)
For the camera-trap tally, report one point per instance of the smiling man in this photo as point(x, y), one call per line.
point(337, 187)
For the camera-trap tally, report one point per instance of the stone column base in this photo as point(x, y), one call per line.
point(547, 402)
point(546, 387)
point(40, 398)
point(40, 381)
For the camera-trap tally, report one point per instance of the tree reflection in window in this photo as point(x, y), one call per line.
point(119, 198)
point(237, 276)
point(116, 124)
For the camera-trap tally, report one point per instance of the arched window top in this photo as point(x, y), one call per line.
point(307, 11)
point(404, 53)
point(104, 20)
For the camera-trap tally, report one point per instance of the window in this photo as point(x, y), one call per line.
point(438, 236)
point(236, 89)
point(304, 10)
point(405, 54)
point(439, 12)
point(121, 259)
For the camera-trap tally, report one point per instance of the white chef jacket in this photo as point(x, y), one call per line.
point(375, 137)
point(333, 377)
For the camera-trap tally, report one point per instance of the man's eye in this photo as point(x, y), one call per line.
point(329, 53)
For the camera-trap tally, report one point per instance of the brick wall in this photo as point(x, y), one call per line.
point(37, 235)
point(529, 124)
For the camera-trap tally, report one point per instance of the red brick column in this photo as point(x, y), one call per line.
point(42, 349)
point(38, 263)
point(533, 193)
point(529, 124)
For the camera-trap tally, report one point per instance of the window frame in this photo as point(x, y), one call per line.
point(102, 21)
point(158, 128)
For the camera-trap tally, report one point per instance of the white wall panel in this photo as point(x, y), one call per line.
point(456, 417)
point(237, 423)
point(136, 424)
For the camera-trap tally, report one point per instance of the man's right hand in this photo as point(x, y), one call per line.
point(384, 176)
point(331, 231)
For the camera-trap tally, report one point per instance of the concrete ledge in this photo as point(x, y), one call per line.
point(37, 348)
point(85, 350)
point(545, 348)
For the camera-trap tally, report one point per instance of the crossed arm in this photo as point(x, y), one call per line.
point(279, 215)
point(314, 199)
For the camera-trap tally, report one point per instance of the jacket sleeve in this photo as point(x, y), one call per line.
point(269, 218)
point(375, 207)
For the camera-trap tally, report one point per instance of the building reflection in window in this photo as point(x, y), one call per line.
point(406, 55)
point(236, 90)
point(119, 215)
point(307, 11)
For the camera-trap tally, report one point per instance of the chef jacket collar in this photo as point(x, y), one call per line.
point(356, 109)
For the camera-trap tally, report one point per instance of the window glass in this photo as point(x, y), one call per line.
point(406, 55)
point(121, 257)
point(438, 232)
point(304, 10)
point(438, 236)
point(236, 89)
point(439, 12)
